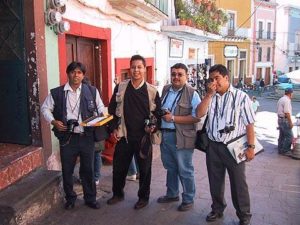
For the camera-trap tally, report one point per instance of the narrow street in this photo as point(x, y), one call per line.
point(274, 184)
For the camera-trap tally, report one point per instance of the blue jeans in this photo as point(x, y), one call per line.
point(133, 169)
point(179, 166)
point(285, 136)
point(97, 165)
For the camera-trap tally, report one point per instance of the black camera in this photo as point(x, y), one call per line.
point(227, 129)
point(162, 112)
point(71, 124)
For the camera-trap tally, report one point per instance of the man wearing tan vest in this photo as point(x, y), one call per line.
point(132, 103)
point(178, 128)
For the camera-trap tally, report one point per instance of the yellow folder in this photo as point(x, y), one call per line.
point(96, 121)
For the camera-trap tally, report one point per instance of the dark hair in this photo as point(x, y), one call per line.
point(138, 57)
point(180, 66)
point(219, 68)
point(75, 65)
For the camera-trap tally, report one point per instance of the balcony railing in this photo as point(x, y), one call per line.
point(265, 35)
point(147, 11)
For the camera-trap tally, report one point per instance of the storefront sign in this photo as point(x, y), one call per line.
point(192, 53)
point(231, 51)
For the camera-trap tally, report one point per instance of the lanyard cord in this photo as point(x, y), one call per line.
point(233, 108)
point(73, 109)
point(175, 100)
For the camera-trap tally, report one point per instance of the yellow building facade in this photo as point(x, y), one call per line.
point(233, 49)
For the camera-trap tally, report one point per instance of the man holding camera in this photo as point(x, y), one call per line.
point(179, 100)
point(132, 104)
point(230, 115)
point(65, 108)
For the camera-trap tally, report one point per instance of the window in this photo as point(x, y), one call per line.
point(290, 69)
point(259, 54)
point(268, 54)
point(231, 24)
point(269, 30)
point(260, 29)
point(297, 41)
point(162, 5)
point(243, 54)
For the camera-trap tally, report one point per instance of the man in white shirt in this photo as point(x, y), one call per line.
point(65, 108)
point(230, 115)
point(284, 113)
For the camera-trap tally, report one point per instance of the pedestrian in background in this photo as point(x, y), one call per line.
point(230, 115)
point(65, 108)
point(255, 104)
point(132, 103)
point(180, 101)
point(284, 113)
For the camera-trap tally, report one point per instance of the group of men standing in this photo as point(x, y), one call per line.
point(229, 114)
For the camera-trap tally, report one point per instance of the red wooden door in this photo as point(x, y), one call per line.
point(86, 51)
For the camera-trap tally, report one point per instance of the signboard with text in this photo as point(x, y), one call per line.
point(176, 48)
point(231, 51)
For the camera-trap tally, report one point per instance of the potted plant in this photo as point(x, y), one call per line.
point(183, 16)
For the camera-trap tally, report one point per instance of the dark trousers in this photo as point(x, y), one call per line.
point(82, 146)
point(122, 157)
point(218, 159)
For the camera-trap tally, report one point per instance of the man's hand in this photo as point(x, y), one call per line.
point(115, 134)
point(59, 125)
point(167, 117)
point(150, 129)
point(211, 88)
point(249, 154)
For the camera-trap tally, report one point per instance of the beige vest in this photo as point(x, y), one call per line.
point(185, 133)
point(122, 131)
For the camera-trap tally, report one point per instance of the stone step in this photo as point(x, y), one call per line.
point(30, 198)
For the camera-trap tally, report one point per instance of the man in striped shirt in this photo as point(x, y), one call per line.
point(230, 115)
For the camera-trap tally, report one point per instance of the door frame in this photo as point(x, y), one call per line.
point(88, 31)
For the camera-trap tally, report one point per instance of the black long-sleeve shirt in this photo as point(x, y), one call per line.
point(136, 110)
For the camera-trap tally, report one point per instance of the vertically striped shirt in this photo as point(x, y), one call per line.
point(233, 108)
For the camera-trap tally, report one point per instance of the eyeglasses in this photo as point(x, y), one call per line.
point(177, 74)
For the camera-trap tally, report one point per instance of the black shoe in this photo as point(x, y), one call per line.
point(69, 205)
point(185, 206)
point(213, 216)
point(141, 203)
point(114, 199)
point(93, 205)
point(244, 222)
point(166, 199)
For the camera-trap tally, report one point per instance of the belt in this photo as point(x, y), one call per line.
point(168, 130)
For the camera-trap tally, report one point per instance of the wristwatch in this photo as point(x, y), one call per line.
point(251, 146)
point(172, 119)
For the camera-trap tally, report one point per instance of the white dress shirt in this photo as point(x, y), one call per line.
point(72, 104)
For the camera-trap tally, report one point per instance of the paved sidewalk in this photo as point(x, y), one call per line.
point(274, 184)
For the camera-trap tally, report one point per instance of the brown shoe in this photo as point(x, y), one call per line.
point(141, 203)
point(114, 200)
point(166, 199)
point(185, 206)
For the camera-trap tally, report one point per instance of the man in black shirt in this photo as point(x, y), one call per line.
point(132, 103)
